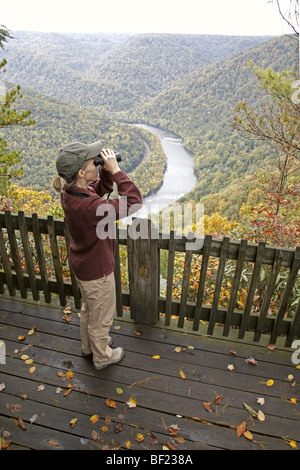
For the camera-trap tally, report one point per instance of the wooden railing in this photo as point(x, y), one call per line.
point(34, 251)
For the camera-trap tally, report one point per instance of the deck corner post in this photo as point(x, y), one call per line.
point(143, 267)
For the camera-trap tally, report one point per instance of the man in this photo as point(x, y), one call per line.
point(92, 246)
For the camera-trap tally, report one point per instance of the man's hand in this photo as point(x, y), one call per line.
point(110, 161)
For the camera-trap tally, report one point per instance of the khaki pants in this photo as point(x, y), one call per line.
point(97, 313)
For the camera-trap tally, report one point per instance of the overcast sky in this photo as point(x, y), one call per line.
point(233, 17)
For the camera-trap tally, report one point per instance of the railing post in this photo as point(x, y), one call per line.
point(142, 249)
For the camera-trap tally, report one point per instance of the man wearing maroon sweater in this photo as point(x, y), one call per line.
point(91, 221)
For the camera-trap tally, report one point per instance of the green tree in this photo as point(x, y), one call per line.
point(276, 122)
point(9, 116)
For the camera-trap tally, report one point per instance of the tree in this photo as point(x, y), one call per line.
point(9, 116)
point(277, 123)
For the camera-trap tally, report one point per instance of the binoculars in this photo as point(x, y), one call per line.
point(99, 159)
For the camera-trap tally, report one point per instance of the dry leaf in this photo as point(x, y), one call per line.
point(230, 367)
point(179, 440)
point(30, 332)
point(248, 435)
point(94, 418)
point(218, 399)
point(208, 407)
point(251, 410)
point(21, 423)
point(4, 444)
point(261, 415)
point(171, 445)
point(31, 370)
point(270, 383)
point(182, 374)
point(69, 374)
point(138, 333)
point(128, 444)
point(251, 361)
point(131, 402)
point(94, 435)
point(28, 361)
point(21, 338)
point(40, 388)
point(119, 391)
point(156, 357)
point(261, 401)
point(178, 349)
point(73, 422)
point(68, 391)
point(241, 428)
point(173, 430)
point(24, 357)
point(139, 437)
point(52, 443)
point(110, 403)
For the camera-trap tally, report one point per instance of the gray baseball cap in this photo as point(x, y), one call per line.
point(71, 157)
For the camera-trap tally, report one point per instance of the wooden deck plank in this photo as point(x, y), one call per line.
point(163, 397)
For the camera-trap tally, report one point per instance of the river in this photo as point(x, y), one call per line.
point(179, 176)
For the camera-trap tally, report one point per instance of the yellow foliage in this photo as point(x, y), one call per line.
point(30, 201)
point(217, 225)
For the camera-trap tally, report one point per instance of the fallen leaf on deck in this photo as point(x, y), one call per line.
point(24, 357)
point(21, 423)
point(139, 437)
point(208, 407)
point(248, 435)
point(119, 391)
point(261, 415)
point(261, 401)
point(70, 374)
point(73, 422)
point(173, 429)
point(110, 403)
point(33, 418)
point(4, 444)
point(251, 410)
point(52, 443)
point(28, 361)
point(21, 337)
point(156, 357)
point(177, 349)
point(128, 444)
point(138, 333)
point(94, 418)
point(271, 347)
point(241, 428)
point(31, 370)
point(2, 387)
point(131, 403)
point(67, 392)
point(179, 440)
point(171, 446)
point(251, 361)
point(40, 388)
point(218, 399)
point(292, 443)
point(230, 367)
point(182, 374)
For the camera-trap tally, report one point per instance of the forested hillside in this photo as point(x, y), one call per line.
point(86, 85)
point(112, 72)
point(201, 109)
point(58, 123)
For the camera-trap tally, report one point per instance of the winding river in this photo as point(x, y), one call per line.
point(179, 177)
